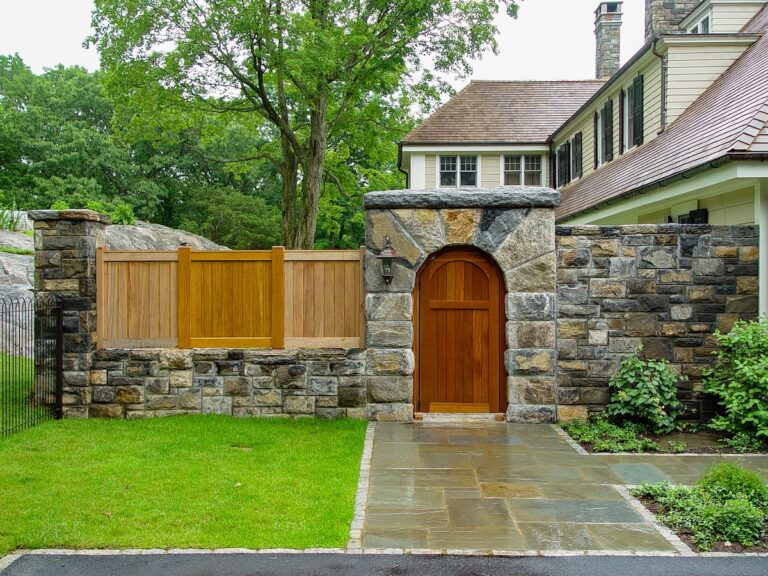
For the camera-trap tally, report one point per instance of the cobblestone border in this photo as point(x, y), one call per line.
point(570, 441)
point(666, 532)
point(361, 497)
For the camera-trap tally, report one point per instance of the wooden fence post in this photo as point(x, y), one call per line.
point(101, 309)
point(363, 322)
point(183, 283)
point(278, 297)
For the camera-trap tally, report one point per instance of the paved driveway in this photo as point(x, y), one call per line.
point(498, 486)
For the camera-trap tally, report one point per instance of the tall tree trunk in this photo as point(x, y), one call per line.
point(311, 184)
point(289, 171)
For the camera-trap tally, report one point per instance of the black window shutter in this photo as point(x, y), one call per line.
point(577, 155)
point(608, 123)
point(622, 112)
point(553, 169)
point(638, 112)
point(567, 162)
point(597, 160)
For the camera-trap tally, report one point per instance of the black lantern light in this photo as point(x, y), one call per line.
point(387, 256)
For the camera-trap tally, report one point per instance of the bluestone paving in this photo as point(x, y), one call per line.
point(499, 486)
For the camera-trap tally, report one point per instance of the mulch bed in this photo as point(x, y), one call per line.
point(719, 546)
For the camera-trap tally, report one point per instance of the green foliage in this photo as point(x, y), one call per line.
point(605, 436)
point(20, 251)
point(118, 211)
point(677, 446)
point(645, 391)
point(726, 480)
point(744, 442)
point(728, 504)
point(235, 220)
point(10, 217)
point(320, 82)
point(739, 379)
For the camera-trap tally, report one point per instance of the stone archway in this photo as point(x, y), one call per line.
point(516, 227)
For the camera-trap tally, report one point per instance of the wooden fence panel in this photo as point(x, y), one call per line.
point(136, 299)
point(324, 293)
point(232, 299)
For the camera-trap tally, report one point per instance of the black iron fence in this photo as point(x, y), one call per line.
point(30, 362)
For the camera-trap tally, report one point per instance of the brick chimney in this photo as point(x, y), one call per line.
point(608, 36)
point(663, 16)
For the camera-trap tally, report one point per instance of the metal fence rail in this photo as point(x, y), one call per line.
point(30, 362)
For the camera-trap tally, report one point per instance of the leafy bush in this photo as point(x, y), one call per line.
point(119, 212)
point(725, 481)
point(645, 391)
point(728, 504)
point(743, 442)
point(676, 446)
point(739, 379)
point(604, 436)
point(10, 218)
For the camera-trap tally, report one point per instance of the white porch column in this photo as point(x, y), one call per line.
point(761, 219)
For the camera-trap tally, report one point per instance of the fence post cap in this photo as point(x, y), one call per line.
point(74, 214)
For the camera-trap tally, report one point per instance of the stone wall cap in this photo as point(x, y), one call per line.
point(78, 215)
point(500, 197)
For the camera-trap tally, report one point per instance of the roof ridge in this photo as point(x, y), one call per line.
point(473, 81)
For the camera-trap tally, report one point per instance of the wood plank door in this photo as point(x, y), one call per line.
point(460, 335)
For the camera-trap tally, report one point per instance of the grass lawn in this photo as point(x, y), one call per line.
point(186, 481)
point(16, 381)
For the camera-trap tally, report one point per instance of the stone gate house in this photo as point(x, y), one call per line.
point(490, 308)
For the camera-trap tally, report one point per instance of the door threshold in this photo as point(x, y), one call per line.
point(448, 418)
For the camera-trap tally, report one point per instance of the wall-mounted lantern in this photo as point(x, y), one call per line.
point(387, 257)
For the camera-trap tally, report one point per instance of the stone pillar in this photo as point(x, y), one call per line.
point(761, 219)
point(608, 39)
point(65, 267)
point(515, 226)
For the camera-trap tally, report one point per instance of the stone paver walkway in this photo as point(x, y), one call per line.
point(499, 486)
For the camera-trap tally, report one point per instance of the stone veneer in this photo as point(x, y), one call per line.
point(516, 227)
point(164, 382)
point(663, 287)
point(65, 267)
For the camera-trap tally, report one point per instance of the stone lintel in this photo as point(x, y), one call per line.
point(499, 197)
point(79, 215)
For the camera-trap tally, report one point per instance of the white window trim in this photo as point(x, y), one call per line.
point(458, 155)
point(696, 28)
point(523, 156)
point(628, 143)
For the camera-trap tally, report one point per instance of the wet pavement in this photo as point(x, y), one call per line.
point(499, 486)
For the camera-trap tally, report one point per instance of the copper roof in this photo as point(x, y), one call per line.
point(494, 112)
point(725, 120)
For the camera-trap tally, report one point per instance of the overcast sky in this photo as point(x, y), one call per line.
point(551, 39)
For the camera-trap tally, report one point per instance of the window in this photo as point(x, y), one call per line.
point(604, 134)
point(632, 115)
point(520, 169)
point(701, 27)
point(458, 171)
point(575, 150)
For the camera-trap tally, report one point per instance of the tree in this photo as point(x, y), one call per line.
point(301, 65)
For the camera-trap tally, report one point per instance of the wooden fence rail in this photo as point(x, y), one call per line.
point(230, 299)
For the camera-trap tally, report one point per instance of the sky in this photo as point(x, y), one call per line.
point(550, 40)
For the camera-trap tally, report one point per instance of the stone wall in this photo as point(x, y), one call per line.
point(663, 287)
point(663, 16)
point(164, 382)
point(516, 227)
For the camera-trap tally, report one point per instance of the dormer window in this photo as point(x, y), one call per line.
point(701, 27)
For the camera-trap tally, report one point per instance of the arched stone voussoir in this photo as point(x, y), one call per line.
point(424, 226)
point(533, 237)
point(380, 224)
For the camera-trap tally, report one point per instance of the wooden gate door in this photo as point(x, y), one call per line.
point(459, 335)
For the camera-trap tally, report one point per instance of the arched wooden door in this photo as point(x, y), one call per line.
point(459, 341)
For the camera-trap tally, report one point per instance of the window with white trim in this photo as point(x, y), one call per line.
point(458, 171)
point(522, 169)
point(701, 27)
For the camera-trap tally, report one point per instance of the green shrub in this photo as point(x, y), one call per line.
point(727, 504)
point(10, 217)
point(743, 442)
point(739, 379)
point(645, 391)
point(119, 212)
point(604, 436)
point(726, 481)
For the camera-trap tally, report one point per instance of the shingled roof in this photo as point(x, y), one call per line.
point(727, 120)
point(494, 112)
